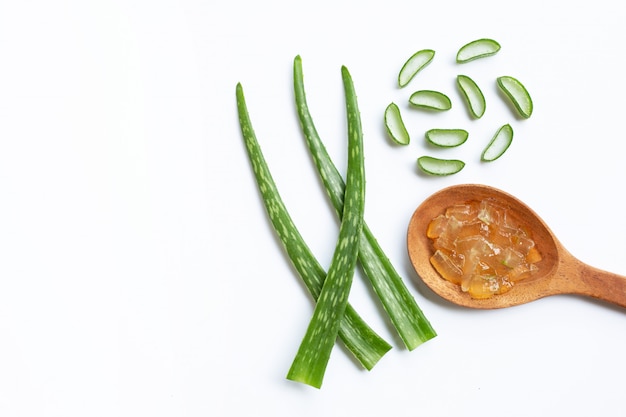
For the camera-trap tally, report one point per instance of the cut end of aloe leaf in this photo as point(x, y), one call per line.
point(473, 96)
point(430, 100)
point(480, 48)
point(498, 144)
point(517, 93)
point(447, 138)
point(439, 167)
point(413, 65)
point(395, 125)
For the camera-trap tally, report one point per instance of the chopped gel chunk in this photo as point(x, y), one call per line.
point(478, 246)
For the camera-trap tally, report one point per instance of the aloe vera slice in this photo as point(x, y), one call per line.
point(518, 95)
point(447, 138)
point(436, 166)
point(431, 100)
point(473, 95)
point(479, 48)
point(413, 65)
point(395, 125)
point(498, 144)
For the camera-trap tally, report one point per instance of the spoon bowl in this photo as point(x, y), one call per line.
point(558, 271)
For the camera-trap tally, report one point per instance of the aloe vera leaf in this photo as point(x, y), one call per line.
point(406, 316)
point(312, 357)
point(365, 344)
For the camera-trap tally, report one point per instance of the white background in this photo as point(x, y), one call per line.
point(139, 274)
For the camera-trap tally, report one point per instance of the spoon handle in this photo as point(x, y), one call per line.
point(601, 284)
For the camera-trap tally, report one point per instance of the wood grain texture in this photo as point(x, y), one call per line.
point(559, 271)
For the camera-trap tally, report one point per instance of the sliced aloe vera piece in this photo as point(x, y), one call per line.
point(395, 125)
point(447, 138)
point(473, 95)
point(414, 64)
point(436, 166)
point(499, 144)
point(432, 100)
point(518, 95)
point(479, 48)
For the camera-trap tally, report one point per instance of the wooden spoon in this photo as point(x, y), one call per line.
point(559, 272)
